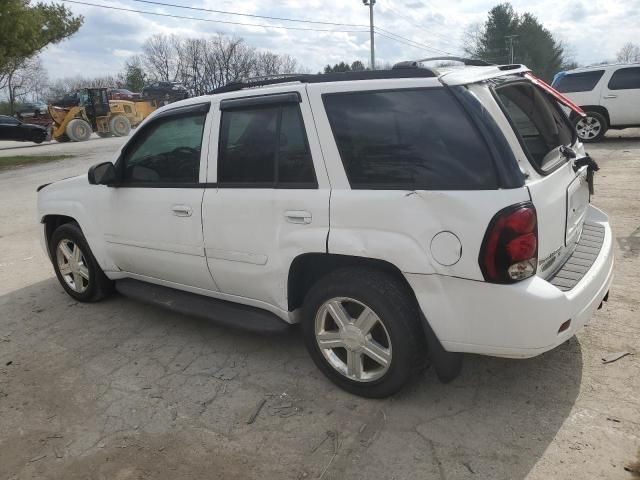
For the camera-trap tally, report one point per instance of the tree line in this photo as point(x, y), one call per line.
point(200, 64)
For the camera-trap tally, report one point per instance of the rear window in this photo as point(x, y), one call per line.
point(416, 139)
point(539, 122)
point(578, 82)
point(625, 79)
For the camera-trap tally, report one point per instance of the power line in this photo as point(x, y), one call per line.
point(228, 22)
point(411, 43)
point(402, 39)
point(387, 34)
point(225, 12)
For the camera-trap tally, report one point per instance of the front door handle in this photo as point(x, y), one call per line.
point(610, 96)
point(298, 216)
point(182, 210)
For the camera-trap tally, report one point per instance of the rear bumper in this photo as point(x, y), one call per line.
point(520, 320)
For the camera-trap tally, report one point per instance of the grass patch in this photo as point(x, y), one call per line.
point(21, 160)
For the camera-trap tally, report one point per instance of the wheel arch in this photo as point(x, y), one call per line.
point(306, 269)
point(594, 108)
point(51, 222)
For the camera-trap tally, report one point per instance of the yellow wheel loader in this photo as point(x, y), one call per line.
point(96, 113)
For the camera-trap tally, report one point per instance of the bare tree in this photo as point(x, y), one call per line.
point(471, 39)
point(204, 64)
point(161, 57)
point(66, 85)
point(629, 53)
point(24, 80)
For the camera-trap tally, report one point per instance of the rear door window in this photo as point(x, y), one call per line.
point(578, 82)
point(625, 79)
point(414, 139)
point(539, 122)
point(265, 147)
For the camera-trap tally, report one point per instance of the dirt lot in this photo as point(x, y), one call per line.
point(118, 390)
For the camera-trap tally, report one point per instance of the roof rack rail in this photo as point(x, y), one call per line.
point(260, 82)
point(472, 62)
point(324, 77)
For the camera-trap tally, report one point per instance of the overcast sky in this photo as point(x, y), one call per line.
point(592, 31)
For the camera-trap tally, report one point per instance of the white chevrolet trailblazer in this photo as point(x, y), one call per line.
point(397, 215)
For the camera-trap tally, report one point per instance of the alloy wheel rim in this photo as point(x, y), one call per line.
point(353, 339)
point(72, 265)
point(588, 128)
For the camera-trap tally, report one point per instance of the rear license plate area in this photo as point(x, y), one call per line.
point(577, 204)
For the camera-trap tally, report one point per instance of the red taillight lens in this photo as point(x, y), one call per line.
point(510, 247)
point(523, 247)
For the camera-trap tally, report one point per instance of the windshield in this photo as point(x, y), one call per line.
point(538, 120)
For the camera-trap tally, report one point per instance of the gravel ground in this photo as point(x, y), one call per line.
point(120, 390)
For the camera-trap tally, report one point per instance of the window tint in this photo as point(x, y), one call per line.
point(8, 121)
point(625, 79)
point(578, 82)
point(265, 146)
point(408, 139)
point(168, 151)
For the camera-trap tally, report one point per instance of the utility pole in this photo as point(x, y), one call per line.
point(509, 39)
point(370, 4)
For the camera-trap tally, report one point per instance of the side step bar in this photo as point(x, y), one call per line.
point(223, 313)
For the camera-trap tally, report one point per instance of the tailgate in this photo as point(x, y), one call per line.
point(559, 190)
point(561, 200)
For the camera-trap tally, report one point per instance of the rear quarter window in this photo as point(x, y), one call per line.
point(414, 139)
point(625, 79)
point(579, 82)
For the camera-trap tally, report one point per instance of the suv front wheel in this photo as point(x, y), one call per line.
point(592, 127)
point(76, 268)
point(361, 329)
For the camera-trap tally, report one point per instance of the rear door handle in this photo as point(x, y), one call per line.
point(298, 216)
point(182, 210)
point(610, 96)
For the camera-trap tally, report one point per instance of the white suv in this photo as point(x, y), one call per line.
point(397, 215)
point(609, 94)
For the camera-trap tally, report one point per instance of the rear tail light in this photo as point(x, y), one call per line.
point(509, 250)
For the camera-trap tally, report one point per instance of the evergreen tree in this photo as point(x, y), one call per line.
point(533, 45)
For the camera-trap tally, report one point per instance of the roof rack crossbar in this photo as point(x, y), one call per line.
point(325, 77)
point(472, 62)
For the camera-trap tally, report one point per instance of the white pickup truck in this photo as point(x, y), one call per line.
point(397, 215)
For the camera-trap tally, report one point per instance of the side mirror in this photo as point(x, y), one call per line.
point(102, 174)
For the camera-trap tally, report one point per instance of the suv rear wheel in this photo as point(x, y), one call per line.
point(361, 329)
point(592, 127)
point(76, 268)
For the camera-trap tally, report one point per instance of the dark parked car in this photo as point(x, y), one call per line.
point(165, 90)
point(122, 94)
point(68, 100)
point(13, 129)
point(33, 108)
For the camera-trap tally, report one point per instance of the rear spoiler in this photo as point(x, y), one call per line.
point(554, 93)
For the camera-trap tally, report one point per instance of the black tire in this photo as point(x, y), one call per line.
point(119, 126)
point(591, 128)
point(396, 310)
point(98, 285)
point(78, 130)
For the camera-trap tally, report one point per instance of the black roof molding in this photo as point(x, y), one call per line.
point(414, 72)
